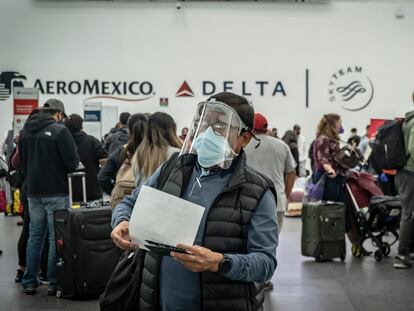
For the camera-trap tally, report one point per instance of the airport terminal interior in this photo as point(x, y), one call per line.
point(188, 155)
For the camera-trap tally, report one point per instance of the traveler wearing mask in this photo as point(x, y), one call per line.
point(325, 147)
point(236, 242)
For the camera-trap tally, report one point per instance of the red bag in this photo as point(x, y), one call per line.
point(3, 202)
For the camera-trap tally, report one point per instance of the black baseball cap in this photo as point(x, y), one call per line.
point(54, 104)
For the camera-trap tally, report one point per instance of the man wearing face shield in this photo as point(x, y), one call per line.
point(234, 252)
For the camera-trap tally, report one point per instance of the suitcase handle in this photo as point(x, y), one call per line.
point(76, 174)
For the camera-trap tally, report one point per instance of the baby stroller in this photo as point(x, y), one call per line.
point(375, 215)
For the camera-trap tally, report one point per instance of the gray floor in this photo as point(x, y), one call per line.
point(300, 283)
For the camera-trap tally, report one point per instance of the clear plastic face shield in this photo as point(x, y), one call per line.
point(213, 134)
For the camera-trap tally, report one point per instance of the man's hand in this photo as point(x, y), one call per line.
point(121, 238)
point(201, 258)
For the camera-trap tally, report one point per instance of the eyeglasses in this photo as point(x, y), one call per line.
point(219, 128)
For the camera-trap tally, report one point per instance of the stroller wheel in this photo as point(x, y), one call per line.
point(356, 250)
point(378, 256)
point(386, 248)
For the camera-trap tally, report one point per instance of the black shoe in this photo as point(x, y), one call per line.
point(268, 286)
point(51, 291)
point(19, 276)
point(29, 290)
point(43, 280)
point(19, 223)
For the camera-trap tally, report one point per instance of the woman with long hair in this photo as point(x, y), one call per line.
point(325, 148)
point(159, 142)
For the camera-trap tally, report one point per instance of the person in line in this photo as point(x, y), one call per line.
point(234, 252)
point(404, 182)
point(325, 147)
point(354, 139)
point(91, 154)
point(183, 135)
point(272, 157)
point(364, 142)
point(120, 137)
point(24, 235)
point(273, 133)
point(158, 144)
point(301, 150)
point(137, 127)
point(47, 153)
point(291, 140)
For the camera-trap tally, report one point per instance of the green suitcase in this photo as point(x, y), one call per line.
point(323, 230)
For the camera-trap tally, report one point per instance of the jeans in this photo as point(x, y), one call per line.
point(41, 211)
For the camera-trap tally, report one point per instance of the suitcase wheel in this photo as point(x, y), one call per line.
point(343, 258)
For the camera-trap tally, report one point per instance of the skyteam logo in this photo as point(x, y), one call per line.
point(8, 80)
point(351, 88)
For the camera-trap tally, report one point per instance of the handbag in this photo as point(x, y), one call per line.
point(348, 157)
point(122, 290)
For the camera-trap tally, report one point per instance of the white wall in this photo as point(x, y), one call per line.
point(215, 41)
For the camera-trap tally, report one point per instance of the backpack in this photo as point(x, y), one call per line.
point(124, 183)
point(388, 148)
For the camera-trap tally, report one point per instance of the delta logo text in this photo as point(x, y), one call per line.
point(351, 89)
point(244, 88)
point(8, 80)
point(94, 89)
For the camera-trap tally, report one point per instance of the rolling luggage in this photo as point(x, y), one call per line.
point(323, 230)
point(86, 255)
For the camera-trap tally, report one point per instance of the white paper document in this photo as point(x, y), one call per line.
point(163, 218)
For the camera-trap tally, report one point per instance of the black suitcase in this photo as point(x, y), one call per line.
point(323, 230)
point(86, 255)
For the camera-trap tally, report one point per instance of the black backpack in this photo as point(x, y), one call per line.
point(388, 148)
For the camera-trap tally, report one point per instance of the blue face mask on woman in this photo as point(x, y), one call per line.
point(341, 130)
point(212, 149)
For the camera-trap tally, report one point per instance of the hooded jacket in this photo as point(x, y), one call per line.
point(117, 139)
point(90, 150)
point(47, 154)
point(408, 130)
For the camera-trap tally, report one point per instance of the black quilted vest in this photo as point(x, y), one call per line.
point(225, 232)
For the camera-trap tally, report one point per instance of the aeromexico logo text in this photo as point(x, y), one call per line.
point(95, 87)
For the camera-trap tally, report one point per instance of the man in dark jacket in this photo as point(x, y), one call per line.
point(47, 154)
point(91, 152)
point(120, 137)
point(236, 242)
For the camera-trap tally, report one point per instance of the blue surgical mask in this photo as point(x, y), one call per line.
point(212, 149)
point(341, 130)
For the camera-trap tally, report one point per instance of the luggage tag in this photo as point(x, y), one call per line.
point(163, 249)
